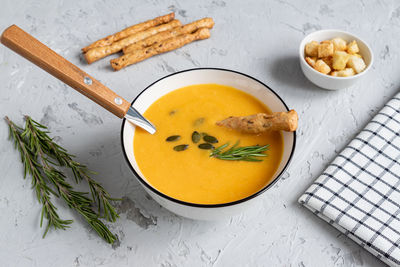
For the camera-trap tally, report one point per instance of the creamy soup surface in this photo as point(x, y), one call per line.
point(192, 175)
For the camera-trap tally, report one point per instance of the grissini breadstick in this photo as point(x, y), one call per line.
point(129, 31)
point(97, 53)
point(261, 122)
point(159, 37)
point(162, 47)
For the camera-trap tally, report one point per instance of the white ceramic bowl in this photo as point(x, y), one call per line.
point(203, 76)
point(327, 81)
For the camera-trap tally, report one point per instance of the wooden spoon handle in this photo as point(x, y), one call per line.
point(39, 54)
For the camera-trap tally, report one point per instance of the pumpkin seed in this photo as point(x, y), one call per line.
point(198, 122)
point(173, 138)
point(196, 137)
point(180, 147)
point(206, 146)
point(210, 139)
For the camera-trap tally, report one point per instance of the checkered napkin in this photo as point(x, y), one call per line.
point(359, 193)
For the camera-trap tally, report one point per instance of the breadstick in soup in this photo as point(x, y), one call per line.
point(159, 37)
point(97, 53)
point(262, 122)
point(129, 31)
point(162, 47)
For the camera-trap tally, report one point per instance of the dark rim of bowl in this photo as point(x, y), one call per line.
point(207, 205)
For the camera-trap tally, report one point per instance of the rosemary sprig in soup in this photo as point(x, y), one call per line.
point(246, 153)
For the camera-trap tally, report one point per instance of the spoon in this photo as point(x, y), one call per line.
point(39, 54)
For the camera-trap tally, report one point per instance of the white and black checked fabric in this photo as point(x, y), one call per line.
point(359, 192)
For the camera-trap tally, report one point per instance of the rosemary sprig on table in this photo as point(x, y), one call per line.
point(246, 153)
point(32, 167)
point(40, 154)
point(40, 143)
point(79, 171)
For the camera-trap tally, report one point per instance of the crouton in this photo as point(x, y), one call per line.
point(325, 49)
point(356, 63)
point(333, 73)
point(322, 67)
point(352, 48)
point(339, 44)
point(345, 73)
point(311, 49)
point(311, 61)
point(340, 59)
point(328, 61)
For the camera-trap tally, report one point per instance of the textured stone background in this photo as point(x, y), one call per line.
point(259, 38)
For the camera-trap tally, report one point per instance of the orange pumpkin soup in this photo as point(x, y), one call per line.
point(192, 175)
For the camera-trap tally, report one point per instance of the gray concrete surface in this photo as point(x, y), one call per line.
point(259, 38)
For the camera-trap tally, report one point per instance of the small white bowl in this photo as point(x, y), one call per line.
point(327, 81)
point(177, 80)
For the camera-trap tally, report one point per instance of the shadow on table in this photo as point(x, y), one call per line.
point(286, 70)
point(100, 66)
point(103, 154)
